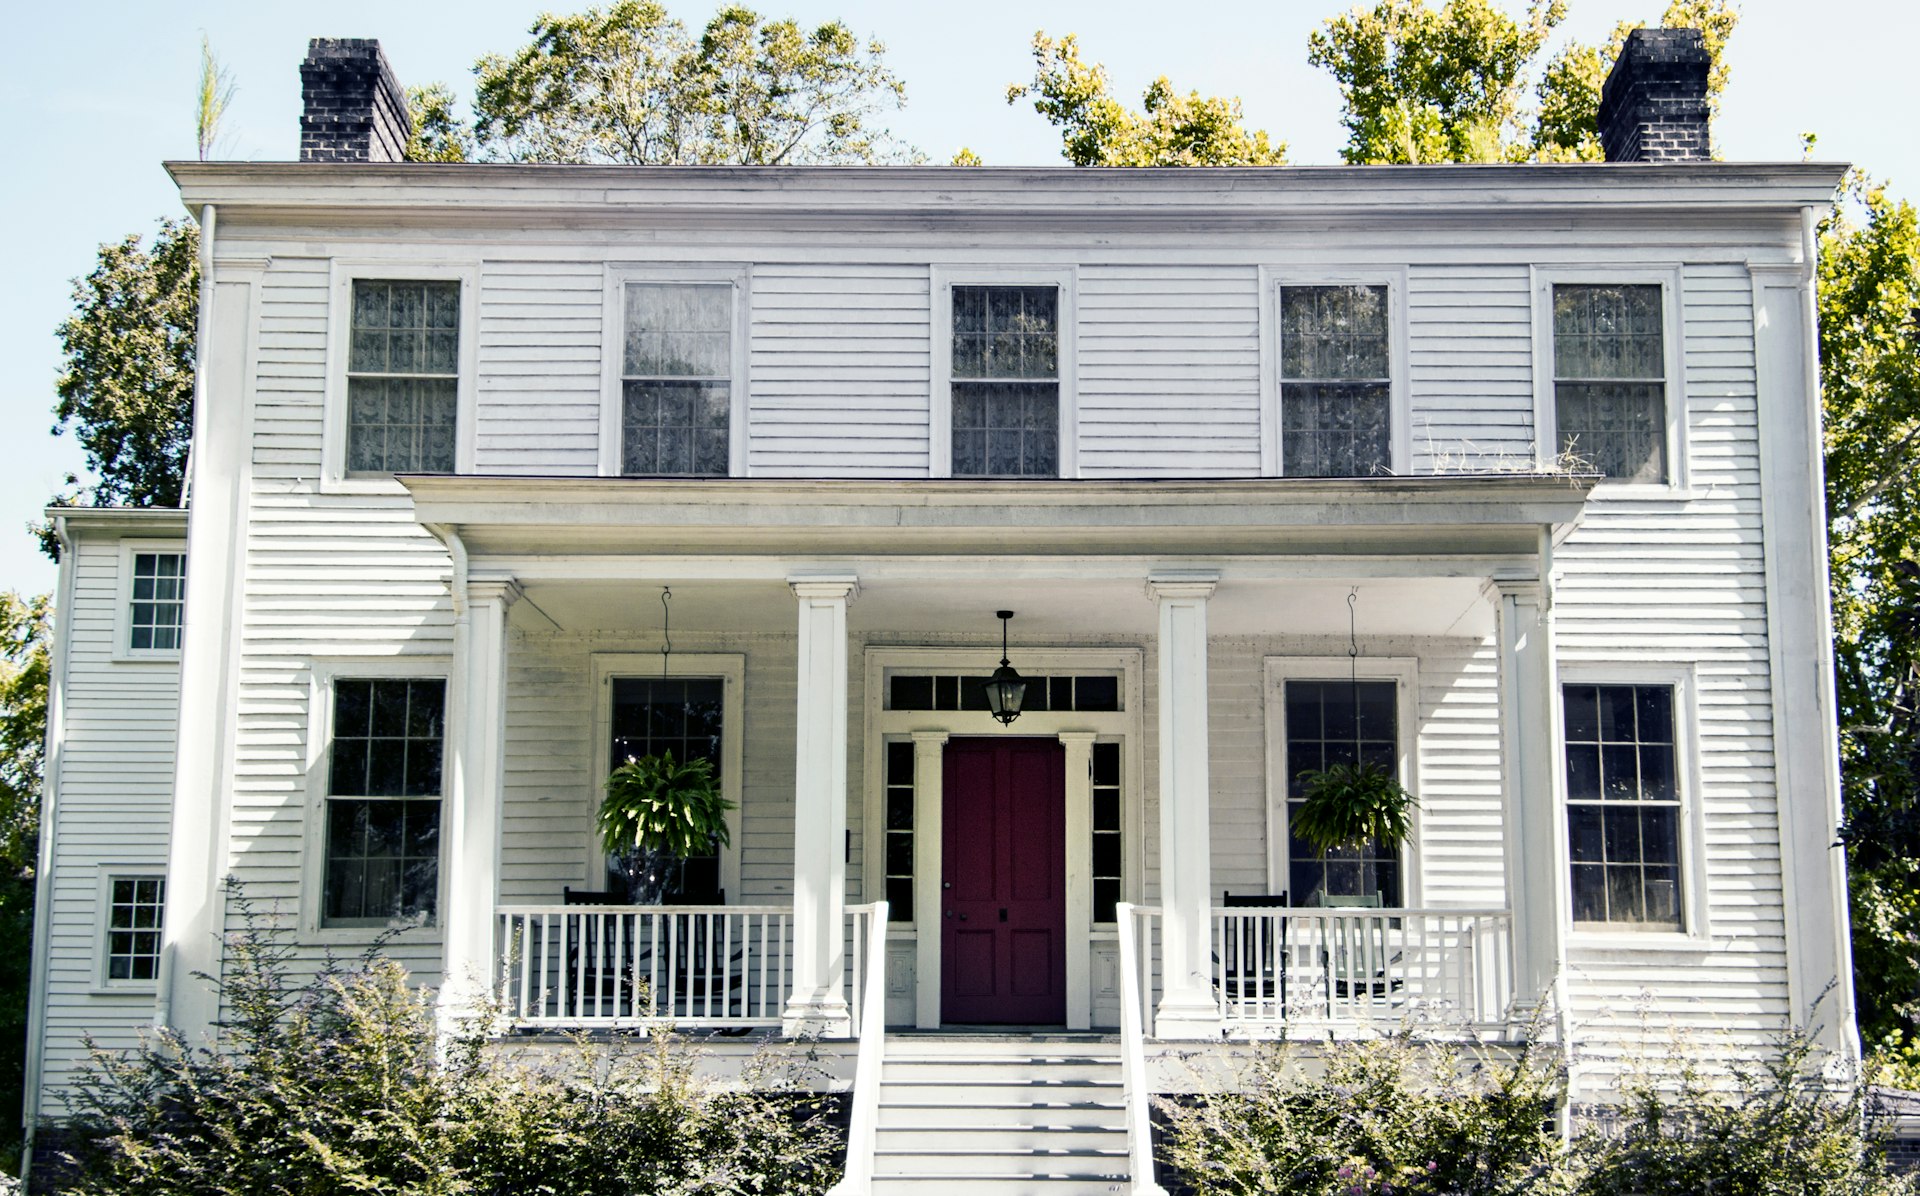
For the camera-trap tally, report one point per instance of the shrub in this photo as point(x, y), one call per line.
point(1772, 1127)
point(339, 1085)
point(1402, 1116)
point(1386, 1116)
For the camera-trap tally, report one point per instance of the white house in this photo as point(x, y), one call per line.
point(505, 473)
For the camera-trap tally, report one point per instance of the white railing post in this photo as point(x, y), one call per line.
point(1133, 1057)
point(870, 1011)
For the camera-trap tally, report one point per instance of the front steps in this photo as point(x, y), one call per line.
point(1001, 1116)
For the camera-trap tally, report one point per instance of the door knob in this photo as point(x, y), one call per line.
point(963, 917)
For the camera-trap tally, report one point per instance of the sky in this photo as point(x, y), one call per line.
point(97, 95)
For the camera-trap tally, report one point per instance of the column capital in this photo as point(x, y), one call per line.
point(1522, 589)
point(1077, 738)
point(1183, 583)
point(493, 587)
point(837, 585)
point(930, 739)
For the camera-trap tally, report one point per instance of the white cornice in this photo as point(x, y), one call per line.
point(486, 194)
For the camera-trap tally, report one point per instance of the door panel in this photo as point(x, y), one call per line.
point(1004, 882)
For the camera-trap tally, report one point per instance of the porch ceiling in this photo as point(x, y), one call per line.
point(1418, 518)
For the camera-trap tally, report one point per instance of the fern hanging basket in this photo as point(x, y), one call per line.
point(1345, 807)
point(658, 811)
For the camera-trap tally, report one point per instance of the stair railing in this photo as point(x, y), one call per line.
point(863, 1134)
point(1133, 1050)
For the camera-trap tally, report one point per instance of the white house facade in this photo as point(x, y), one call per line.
point(1505, 478)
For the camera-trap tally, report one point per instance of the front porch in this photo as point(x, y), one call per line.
point(1171, 635)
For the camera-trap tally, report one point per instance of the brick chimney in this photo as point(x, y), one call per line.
point(1654, 105)
point(355, 109)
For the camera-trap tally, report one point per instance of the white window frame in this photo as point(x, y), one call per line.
point(123, 649)
point(342, 274)
point(322, 674)
point(104, 876)
point(1404, 671)
point(942, 278)
point(1400, 403)
point(1672, 330)
point(731, 668)
point(613, 341)
point(1695, 930)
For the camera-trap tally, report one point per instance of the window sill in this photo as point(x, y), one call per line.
point(1642, 492)
point(125, 656)
point(1652, 940)
point(328, 936)
point(363, 485)
point(124, 988)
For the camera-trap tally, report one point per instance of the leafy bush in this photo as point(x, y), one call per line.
point(1759, 1128)
point(339, 1085)
point(1386, 1116)
point(1402, 1117)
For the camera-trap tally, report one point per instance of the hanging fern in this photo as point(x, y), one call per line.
point(1350, 805)
point(655, 804)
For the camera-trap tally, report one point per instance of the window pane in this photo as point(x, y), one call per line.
point(1610, 378)
point(400, 425)
point(1623, 805)
point(158, 604)
point(1006, 429)
point(1616, 428)
point(676, 428)
point(136, 909)
point(1006, 332)
point(679, 330)
point(682, 715)
point(1335, 429)
point(383, 860)
point(1333, 333)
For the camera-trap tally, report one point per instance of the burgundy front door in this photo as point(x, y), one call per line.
point(1003, 917)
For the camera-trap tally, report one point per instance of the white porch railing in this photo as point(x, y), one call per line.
point(1344, 970)
point(580, 966)
point(870, 1018)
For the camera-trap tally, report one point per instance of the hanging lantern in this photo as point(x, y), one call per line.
point(1006, 689)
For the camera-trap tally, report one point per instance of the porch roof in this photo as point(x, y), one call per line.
point(1480, 515)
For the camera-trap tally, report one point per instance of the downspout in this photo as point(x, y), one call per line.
point(49, 826)
point(203, 324)
point(1847, 1012)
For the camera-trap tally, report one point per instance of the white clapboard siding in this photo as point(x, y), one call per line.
point(1169, 371)
point(539, 384)
point(115, 782)
point(1469, 368)
point(1679, 581)
point(839, 369)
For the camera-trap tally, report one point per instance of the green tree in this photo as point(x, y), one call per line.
point(1419, 85)
point(211, 101)
point(438, 134)
point(24, 634)
point(1450, 85)
point(126, 389)
point(1869, 297)
point(628, 84)
point(1169, 130)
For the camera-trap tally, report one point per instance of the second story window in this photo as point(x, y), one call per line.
point(676, 379)
point(158, 602)
point(1336, 382)
point(1006, 381)
point(1609, 379)
point(403, 370)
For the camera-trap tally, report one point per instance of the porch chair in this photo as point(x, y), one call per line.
point(1356, 960)
point(1252, 969)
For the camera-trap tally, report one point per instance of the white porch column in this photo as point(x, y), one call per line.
point(1079, 750)
point(476, 725)
point(1187, 1005)
point(1535, 829)
point(818, 1003)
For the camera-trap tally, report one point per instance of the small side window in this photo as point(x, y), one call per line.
point(136, 908)
point(157, 601)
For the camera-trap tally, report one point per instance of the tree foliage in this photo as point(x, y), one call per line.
point(126, 389)
point(1170, 129)
point(24, 635)
point(1451, 84)
point(1869, 297)
point(438, 134)
point(628, 84)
